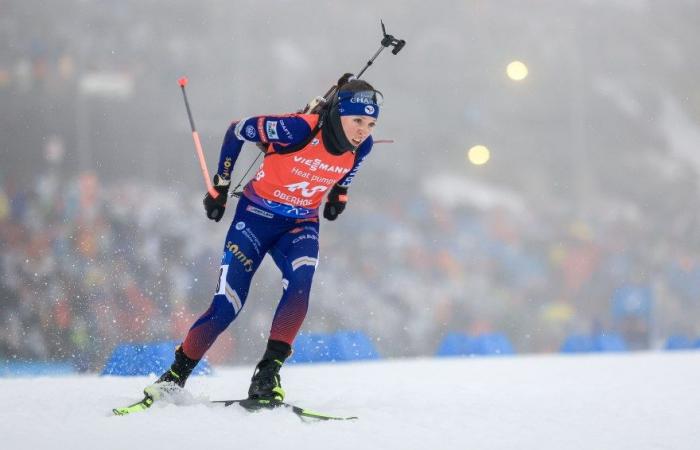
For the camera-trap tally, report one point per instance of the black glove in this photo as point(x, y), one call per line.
point(215, 207)
point(335, 203)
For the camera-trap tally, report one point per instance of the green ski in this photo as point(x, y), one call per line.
point(249, 405)
point(253, 405)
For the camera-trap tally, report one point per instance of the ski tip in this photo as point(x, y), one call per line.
point(119, 411)
point(136, 407)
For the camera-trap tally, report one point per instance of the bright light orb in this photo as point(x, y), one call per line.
point(516, 71)
point(479, 155)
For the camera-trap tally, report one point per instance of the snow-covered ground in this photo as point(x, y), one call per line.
point(603, 402)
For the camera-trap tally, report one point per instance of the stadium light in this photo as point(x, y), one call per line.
point(479, 155)
point(516, 70)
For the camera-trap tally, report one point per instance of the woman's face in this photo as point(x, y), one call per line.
point(357, 128)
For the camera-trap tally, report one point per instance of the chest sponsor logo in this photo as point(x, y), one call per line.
point(317, 164)
point(305, 190)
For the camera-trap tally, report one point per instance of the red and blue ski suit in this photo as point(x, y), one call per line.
point(277, 215)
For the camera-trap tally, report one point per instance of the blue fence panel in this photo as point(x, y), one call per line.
point(578, 343)
point(493, 344)
point(145, 359)
point(352, 346)
point(35, 369)
point(456, 344)
point(326, 347)
point(460, 344)
point(602, 342)
point(610, 342)
point(311, 347)
point(678, 342)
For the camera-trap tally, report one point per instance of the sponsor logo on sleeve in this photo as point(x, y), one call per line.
point(261, 129)
point(240, 226)
point(227, 167)
point(271, 129)
point(250, 131)
point(286, 131)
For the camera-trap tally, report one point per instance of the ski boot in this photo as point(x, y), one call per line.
point(173, 380)
point(265, 388)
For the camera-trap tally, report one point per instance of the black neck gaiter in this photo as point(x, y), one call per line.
point(333, 135)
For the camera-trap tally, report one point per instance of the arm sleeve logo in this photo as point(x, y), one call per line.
point(271, 130)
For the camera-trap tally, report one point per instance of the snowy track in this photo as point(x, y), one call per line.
point(615, 402)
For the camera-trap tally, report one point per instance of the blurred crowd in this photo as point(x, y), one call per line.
point(85, 266)
point(537, 273)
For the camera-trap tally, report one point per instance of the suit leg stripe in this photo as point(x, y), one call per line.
point(304, 261)
point(233, 298)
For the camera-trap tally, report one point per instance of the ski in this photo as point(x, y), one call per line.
point(141, 405)
point(247, 404)
point(253, 406)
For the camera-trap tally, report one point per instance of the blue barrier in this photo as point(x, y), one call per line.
point(610, 342)
point(578, 343)
point(603, 342)
point(311, 347)
point(456, 344)
point(328, 347)
point(679, 342)
point(493, 344)
point(489, 344)
point(145, 359)
point(351, 346)
point(35, 369)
